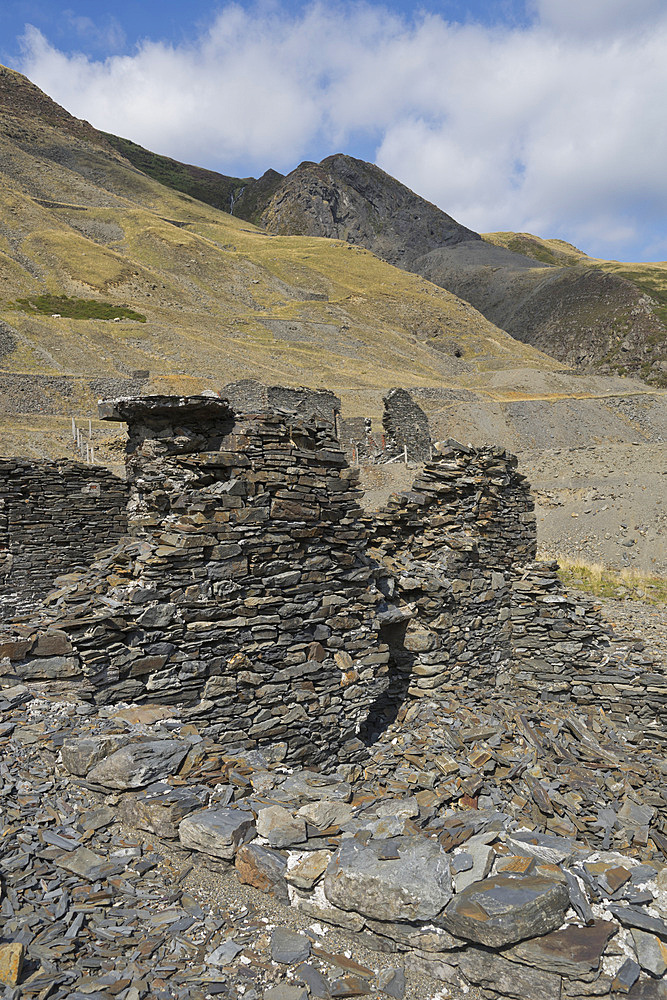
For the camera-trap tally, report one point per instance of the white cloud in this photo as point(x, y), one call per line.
point(594, 19)
point(556, 127)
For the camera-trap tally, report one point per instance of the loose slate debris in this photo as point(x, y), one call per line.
point(95, 914)
point(487, 835)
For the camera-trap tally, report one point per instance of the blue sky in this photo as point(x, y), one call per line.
point(543, 116)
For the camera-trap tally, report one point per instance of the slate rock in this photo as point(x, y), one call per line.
point(648, 989)
point(286, 993)
point(349, 986)
point(392, 982)
point(82, 861)
point(263, 868)
point(49, 668)
point(424, 937)
point(288, 947)
point(436, 966)
point(318, 985)
point(311, 786)
point(280, 828)
point(626, 977)
point(11, 962)
point(326, 814)
point(414, 887)
point(493, 972)
point(503, 909)
point(482, 857)
point(225, 953)
point(139, 764)
point(315, 904)
point(629, 916)
point(11, 697)
point(651, 952)
point(160, 808)
point(309, 869)
point(52, 643)
point(217, 832)
point(572, 952)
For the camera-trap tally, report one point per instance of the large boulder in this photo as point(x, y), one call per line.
point(402, 879)
point(503, 909)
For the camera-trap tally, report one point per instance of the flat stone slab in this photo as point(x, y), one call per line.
point(288, 947)
point(506, 979)
point(217, 832)
point(414, 886)
point(631, 917)
point(161, 807)
point(280, 828)
point(11, 962)
point(651, 952)
point(503, 909)
point(308, 870)
point(263, 868)
point(80, 755)
point(572, 952)
point(139, 764)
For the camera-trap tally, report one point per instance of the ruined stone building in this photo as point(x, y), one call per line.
point(251, 586)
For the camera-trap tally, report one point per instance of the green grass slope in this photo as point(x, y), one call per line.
point(649, 278)
point(221, 298)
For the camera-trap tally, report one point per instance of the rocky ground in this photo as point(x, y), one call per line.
point(102, 898)
point(604, 503)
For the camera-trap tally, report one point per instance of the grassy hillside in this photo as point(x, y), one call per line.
point(244, 197)
point(650, 278)
point(166, 284)
point(556, 252)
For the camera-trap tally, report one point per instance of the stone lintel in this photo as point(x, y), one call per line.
point(128, 409)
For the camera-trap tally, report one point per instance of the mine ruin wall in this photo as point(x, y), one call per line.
point(252, 587)
point(54, 518)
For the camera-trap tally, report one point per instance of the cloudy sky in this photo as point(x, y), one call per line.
point(544, 116)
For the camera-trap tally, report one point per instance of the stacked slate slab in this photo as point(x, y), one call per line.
point(242, 589)
point(54, 518)
point(448, 550)
point(468, 609)
point(252, 588)
point(405, 426)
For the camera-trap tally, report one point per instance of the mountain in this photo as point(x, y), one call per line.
point(598, 315)
point(201, 297)
point(601, 315)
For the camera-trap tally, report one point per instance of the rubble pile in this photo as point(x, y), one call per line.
point(519, 850)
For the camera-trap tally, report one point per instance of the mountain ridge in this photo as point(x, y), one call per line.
point(616, 325)
point(222, 298)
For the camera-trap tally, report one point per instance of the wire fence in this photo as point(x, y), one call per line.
point(83, 441)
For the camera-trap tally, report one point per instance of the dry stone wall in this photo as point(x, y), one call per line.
point(469, 610)
point(406, 426)
point(252, 588)
point(54, 517)
point(243, 589)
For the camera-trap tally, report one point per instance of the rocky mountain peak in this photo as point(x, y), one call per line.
point(349, 199)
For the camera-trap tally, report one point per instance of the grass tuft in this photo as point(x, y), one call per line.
point(601, 581)
point(47, 305)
